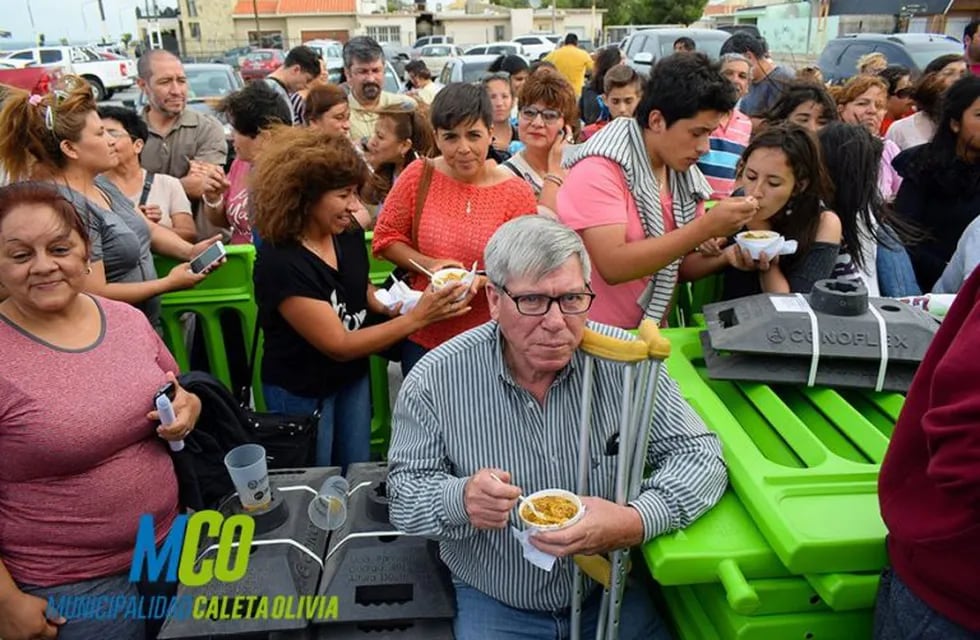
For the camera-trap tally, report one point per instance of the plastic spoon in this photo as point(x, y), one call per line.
point(525, 501)
point(422, 269)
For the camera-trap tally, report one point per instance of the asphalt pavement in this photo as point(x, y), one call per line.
point(117, 98)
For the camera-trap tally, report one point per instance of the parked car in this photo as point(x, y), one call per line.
point(538, 45)
point(750, 29)
point(328, 49)
point(643, 48)
point(496, 48)
point(838, 61)
point(427, 40)
point(105, 76)
point(233, 57)
point(435, 56)
point(466, 68)
point(261, 62)
point(36, 80)
point(398, 55)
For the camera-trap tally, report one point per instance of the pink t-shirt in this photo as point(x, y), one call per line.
point(236, 202)
point(595, 194)
point(80, 461)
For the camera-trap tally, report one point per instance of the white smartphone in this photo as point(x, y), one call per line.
point(208, 258)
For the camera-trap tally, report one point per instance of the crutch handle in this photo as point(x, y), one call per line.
point(657, 346)
point(650, 345)
point(596, 567)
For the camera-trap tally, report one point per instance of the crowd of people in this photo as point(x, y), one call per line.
point(572, 188)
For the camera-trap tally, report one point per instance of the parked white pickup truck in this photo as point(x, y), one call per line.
point(105, 76)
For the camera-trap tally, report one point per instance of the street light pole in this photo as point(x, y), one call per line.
point(258, 29)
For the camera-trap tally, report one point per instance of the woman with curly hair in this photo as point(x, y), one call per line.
point(313, 294)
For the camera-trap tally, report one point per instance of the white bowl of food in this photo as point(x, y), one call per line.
point(559, 508)
point(757, 242)
point(450, 276)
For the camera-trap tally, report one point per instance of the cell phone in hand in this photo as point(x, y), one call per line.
point(208, 258)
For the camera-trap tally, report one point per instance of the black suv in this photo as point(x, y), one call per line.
point(838, 62)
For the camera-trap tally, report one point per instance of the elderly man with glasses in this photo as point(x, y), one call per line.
point(493, 414)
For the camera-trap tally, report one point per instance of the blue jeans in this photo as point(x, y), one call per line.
point(87, 628)
point(896, 278)
point(478, 617)
point(411, 354)
point(345, 420)
point(901, 615)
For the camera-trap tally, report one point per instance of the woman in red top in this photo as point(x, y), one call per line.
point(467, 200)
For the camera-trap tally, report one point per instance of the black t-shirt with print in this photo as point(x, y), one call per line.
point(285, 271)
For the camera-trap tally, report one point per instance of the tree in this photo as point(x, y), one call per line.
point(64, 42)
point(126, 38)
point(40, 39)
point(666, 11)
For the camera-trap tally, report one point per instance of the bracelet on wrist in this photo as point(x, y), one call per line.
point(554, 179)
point(208, 203)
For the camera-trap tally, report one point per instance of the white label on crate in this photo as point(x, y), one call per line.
point(790, 304)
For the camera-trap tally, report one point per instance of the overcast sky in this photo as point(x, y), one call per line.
point(73, 19)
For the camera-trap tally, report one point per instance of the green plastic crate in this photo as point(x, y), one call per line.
point(702, 613)
point(725, 546)
point(378, 268)
point(804, 462)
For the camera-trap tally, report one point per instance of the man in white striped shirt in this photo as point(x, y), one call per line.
point(504, 399)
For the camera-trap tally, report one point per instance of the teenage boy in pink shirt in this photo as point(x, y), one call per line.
point(635, 194)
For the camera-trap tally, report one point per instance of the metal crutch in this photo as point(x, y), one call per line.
point(642, 359)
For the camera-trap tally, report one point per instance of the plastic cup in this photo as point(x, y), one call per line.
point(328, 510)
point(247, 467)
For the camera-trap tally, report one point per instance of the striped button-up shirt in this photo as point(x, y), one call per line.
point(460, 410)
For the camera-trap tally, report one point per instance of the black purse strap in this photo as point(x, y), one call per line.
point(147, 185)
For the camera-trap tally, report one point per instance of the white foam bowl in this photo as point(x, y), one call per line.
point(446, 277)
point(559, 493)
point(755, 246)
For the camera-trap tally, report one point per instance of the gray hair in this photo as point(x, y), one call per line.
point(362, 49)
point(734, 57)
point(144, 66)
point(532, 247)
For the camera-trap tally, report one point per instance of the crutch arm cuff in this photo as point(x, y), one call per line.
point(453, 505)
point(654, 513)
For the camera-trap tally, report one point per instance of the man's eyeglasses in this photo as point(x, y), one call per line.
point(549, 116)
point(904, 93)
point(538, 304)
